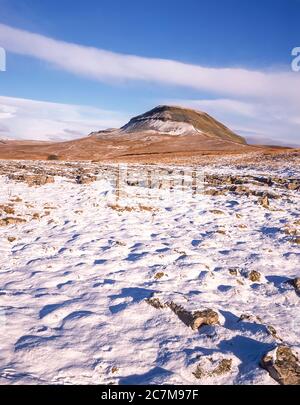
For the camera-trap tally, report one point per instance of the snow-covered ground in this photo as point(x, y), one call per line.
point(75, 280)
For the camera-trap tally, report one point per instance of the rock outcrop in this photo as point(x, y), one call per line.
point(283, 365)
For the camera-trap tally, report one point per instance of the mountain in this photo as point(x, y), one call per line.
point(180, 121)
point(163, 133)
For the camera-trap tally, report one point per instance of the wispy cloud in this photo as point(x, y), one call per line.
point(104, 65)
point(260, 122)
point(259, 104)
point(31, 119)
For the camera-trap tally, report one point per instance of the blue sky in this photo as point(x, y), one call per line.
point(231, 58)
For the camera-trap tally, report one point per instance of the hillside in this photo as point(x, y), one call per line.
point(181, 121)
point(164, 131)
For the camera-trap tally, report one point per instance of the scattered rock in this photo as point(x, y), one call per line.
point(254, 276)
point(250, 318)
point(233, 272)
point(159, 275)
point(264, 180)
point(32, 179)
point(120, 243)
point(199, 372)
point(214, 192)
point(223, 366)
point(7, 209)
point(217, 212)
point(272, 331)
point(296, 283)
point(85, 179)
point(240, 190)
point(264, 201)
point(16, 199)
point(155, 303)
point(185, 316)
point(206, 317)
point(296, 240)
point(283, 365)
point(195, 319)
point(11, 221)
point(11, 239)
point(139, 207)
point(288, 230)
point(293, 185)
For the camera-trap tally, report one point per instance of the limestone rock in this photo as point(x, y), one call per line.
point(283, 365)
point(254, 276)
point(85, 179)
point(297, 283)
point(210, 368)
point(194, 319)
point(294, 185)
point(264, 201)
point(206, 317)
point(11, 221)
point(8, 209)
point(32, 179)
point(233, 271)
point(155, 303)
point(159, 275)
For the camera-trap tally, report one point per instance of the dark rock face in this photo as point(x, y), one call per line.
point(283, 365)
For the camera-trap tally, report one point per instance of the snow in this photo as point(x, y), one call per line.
point(166, 127)
point(74, 284)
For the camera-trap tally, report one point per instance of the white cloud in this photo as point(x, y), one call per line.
point(104, 65)
point(255, 103)
point(258, 121)
point(31, 119)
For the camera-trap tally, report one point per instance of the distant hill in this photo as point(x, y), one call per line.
point(181, 121)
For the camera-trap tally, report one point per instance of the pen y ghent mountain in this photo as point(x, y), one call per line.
point(150, 194)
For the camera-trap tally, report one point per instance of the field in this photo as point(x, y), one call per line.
point(122, 273)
